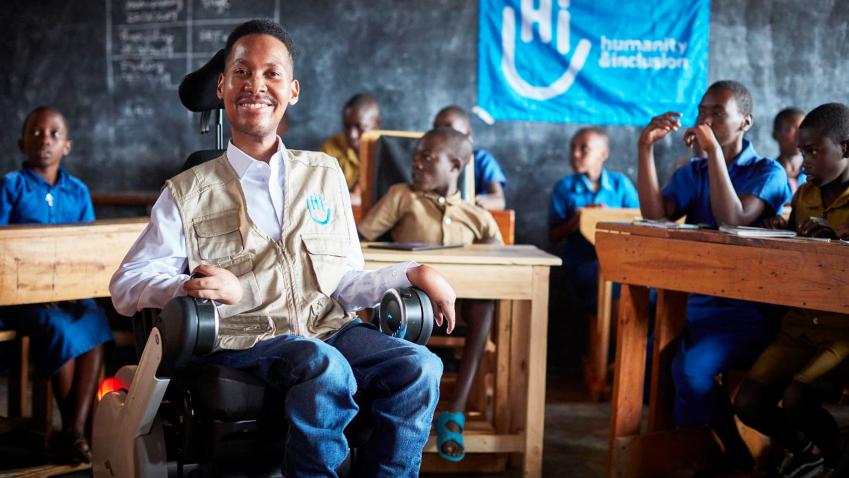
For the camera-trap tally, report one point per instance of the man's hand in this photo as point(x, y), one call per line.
point(702, 137)
point(659, 127)
point(439, 290)
point(816, 227)
point(214, 283)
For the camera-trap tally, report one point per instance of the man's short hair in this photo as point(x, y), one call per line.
point(360, 100)
point(785, 116)
point(261, 27)
point(741, 94)
point(831, 119)
point(457, 142)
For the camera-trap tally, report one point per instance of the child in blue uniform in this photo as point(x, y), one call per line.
point(67, 337)
point(731, 185)
point(489, 177)
point(591, 186)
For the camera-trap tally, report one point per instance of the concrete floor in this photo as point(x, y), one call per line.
point(575, 431)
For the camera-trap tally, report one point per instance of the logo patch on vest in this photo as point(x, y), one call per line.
point(319, 212)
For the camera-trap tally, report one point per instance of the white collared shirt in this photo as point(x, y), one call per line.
point(153, 271)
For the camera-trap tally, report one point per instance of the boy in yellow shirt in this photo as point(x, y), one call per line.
point(431, 210)
point(803, 366)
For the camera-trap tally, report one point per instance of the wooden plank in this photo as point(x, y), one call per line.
point(506, 220)
point(535, 350)
point(485, 443)
point(817, 274)
point(518, 386)
point(501, 396)
point(670, 319)
point(663, 453)
point(53, 263)
point(125, 198)
point(19, 378)
point(492, 254)
point(44, 471)
point(595, 371)
point(591, 216)
point(627, 399)
point(472, 464)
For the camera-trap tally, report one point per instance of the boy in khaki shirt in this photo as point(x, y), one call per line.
point(431, 210)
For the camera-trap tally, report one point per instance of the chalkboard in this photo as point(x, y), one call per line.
point(113, 67)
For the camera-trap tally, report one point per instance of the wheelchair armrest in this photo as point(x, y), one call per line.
point(188, 327)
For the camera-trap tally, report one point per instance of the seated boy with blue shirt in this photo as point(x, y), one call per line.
point(733, 185)
point(67, 336)
point(430, 209)
point(489, 178)
point(592, 185)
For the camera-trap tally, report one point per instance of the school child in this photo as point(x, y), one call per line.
point(805, 365)
point(361, 113)
point(67, 337)
point(734, 186)
point(489, 177)
point(592, 185)
point(784, 128)
point(430, 209)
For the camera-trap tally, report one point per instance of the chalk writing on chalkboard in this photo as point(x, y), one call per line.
point(154, 43)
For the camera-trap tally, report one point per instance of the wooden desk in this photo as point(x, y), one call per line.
point(705, 262)
point(516, 276)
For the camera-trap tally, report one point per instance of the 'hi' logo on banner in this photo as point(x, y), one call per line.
point(542, 17)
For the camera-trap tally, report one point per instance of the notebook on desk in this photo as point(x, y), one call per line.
point(747, 231)
point(413, 246)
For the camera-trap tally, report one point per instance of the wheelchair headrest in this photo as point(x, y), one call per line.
point(198, 88)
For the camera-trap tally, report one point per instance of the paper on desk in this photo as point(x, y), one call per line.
point(664, 224)
point(748, 231)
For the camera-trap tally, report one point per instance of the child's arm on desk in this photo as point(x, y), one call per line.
point(383, 216)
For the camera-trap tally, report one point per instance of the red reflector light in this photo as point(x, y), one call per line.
point(110, 384)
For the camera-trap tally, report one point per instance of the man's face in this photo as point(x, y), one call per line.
point(45, 139)
point(433, 167)
point(719, 110)
point(453, 121)
point(823, 159)
point(357, 120)
point(589, 152)
point(257, 85)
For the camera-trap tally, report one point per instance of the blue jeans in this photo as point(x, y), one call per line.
point(321, 378)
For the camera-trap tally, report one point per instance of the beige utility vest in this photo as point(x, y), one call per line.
point(286, 283)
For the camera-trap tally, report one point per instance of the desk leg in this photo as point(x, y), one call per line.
point(669, 324)
point(596, 372)
point(629, 374)
point(527, 370)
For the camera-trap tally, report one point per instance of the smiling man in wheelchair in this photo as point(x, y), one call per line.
point(269, 237)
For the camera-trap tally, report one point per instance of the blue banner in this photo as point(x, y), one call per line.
point(592, 61)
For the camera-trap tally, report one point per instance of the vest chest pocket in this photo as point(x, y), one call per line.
point(218, 235)
point(328, 257)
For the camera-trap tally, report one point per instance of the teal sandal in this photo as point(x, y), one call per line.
point(443, 434)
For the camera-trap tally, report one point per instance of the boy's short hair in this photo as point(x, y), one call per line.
point(456, 111)
point(456, 142)
point(592, 129)
point(784, 116)
point(361, 99)
point(37, 110)
point(261, 27)
point(741, 94)
point(831, 119)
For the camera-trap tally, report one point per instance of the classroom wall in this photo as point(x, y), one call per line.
point(414, 56)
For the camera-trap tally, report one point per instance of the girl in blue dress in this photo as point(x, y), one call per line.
point(67, 337)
